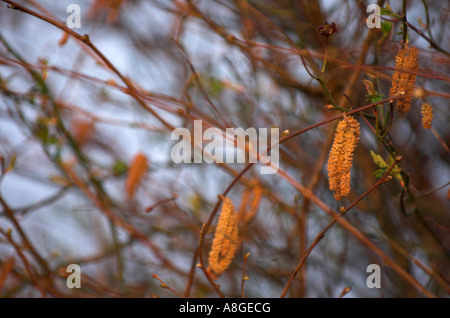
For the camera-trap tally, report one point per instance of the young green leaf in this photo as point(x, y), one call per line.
point(386, 26)
point(378, 160)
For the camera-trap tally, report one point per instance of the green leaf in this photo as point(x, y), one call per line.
point(53, 140)
point(396, 171)
point(215, 86)
point(379, 173)
point(196, 204)
point(378, 160)
point(386, 11)
point(119, 168)
point(375, 98)
point(373, 95)
point(386, 26)
point(42, 133)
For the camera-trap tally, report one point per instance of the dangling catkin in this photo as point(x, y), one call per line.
point(427, 115)
point(226, 240)
point(254, 206)
point(341, 156)
point(404, 77)
point(250, 202)
point(136, 172)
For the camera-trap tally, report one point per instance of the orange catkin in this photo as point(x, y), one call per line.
point(341, 156)
point(64, 38)
point(254, 206)
point(136, 172)
point(226, 240)
point(250, 202)
point(427, 115)
point(244, 202)
point(83, 131)
point(404, 77)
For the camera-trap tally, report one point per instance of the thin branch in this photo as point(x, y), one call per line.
point(85, 39)
point(431, 41)
point(356, 233)
point(26, 264)
point(322, 234)
point(164, 285)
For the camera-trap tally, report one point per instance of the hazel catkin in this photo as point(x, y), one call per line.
point(427, 115)
point(404, 77)
point(136, 172)
point(226, 240)
point(341, 156)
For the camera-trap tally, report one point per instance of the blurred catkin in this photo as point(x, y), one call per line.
point(341, 156)
point(226, 240)
point(404, 77)
point(251, 199)
point(82, 131)
point(427, 115)
point(254, 206)
point(136, 172)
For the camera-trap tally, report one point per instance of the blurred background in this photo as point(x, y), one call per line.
point(73, 122)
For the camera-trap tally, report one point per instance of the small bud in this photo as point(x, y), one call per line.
point(85, 38)
point(326, 29)
point(345, 291)
point(388, 178)
point(419, 93)
point(111, 82)
point(230, 38)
